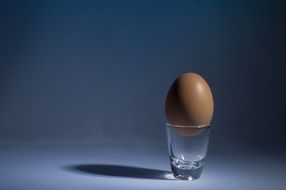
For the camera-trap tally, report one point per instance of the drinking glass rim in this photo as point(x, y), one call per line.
point(188, 126)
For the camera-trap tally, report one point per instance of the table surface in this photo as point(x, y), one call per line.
point(101, 166)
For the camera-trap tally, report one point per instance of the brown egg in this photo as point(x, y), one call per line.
point(189, 103)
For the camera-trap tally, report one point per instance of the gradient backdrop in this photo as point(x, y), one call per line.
point(95, 74)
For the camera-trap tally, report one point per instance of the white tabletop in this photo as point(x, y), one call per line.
point(125, 166)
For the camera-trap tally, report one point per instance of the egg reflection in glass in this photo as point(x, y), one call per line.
point(189, 109)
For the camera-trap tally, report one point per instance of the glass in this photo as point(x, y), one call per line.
point(187, 150)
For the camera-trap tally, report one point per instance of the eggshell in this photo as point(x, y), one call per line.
point(189, 102)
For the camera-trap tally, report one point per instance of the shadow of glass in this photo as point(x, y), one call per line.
point(120, 171)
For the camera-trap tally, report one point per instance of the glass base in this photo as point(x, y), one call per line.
point(185, 170)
